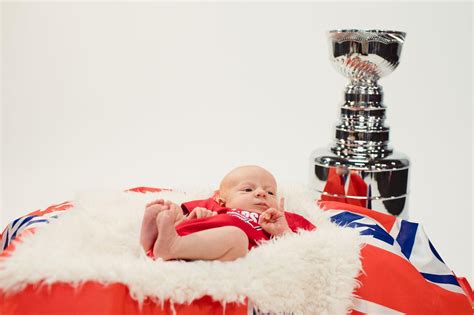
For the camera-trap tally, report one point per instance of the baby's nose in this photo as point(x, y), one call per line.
point(260, 193)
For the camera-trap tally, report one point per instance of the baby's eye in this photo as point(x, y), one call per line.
point(247, 189)
point(271, 193)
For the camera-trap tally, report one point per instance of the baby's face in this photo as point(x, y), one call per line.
point(249, 188)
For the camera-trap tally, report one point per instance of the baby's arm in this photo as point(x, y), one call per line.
point(274, 221)
point(196, 213)
point(200, 212)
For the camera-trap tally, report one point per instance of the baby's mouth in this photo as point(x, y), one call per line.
point(262, 204)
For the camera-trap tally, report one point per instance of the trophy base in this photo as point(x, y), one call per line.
point(380, 184)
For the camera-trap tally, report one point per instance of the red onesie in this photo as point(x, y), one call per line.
point(247, 221)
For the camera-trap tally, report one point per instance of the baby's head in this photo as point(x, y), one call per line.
point(249, 188)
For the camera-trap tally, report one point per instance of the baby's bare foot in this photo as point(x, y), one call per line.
point(167, 235)
point(178, 213)
point(149, 232)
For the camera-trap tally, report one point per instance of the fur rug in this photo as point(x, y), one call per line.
point(306, 273)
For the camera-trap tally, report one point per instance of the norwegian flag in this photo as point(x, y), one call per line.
point(402, 271)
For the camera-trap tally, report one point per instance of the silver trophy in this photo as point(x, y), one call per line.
point(361, 168)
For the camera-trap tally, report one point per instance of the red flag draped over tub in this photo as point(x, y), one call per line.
point(402, 271)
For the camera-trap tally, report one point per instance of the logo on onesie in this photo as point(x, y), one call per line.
point(249, 217)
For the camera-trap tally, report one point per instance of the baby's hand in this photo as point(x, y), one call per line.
point(273, 220)
point(199, 212)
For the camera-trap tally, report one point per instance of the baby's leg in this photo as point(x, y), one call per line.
point(223, 243)
point(148, 232)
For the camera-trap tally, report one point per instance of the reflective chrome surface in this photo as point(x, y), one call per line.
point(361, 168)
point(379, 184)
point(365, 54)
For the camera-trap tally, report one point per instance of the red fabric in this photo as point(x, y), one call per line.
point(144, 190)
point(386, 220)
point(467, 289)
point(247, 221)
point(210, 204)
point(357, 187)
point(95, 298)
point(393, 282)
point(336, 188)
point(296, 222)
point(59, 207)
point(414, 295)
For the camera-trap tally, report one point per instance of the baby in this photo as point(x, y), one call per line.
point(245, 213)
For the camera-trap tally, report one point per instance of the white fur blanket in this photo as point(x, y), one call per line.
point(306, 273)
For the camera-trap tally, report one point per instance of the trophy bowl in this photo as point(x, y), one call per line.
point(365, 55)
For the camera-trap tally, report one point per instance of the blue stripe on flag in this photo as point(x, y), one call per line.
point(6, 240)
point(37, 221)
point(406, 237)
point(374, 230)
point(448, 279)
point(27, 219)
point(433, 250)
point(15, 221)
point(344, 218)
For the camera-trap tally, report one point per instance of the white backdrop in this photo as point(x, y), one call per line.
point(112, 96)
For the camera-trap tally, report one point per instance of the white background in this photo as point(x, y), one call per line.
point(112, 96)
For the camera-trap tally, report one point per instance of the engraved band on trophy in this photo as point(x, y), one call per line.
point(361, 168)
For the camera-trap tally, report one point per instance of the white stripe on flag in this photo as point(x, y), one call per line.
point(423, 258)
point(368, 307)
point(449, 287)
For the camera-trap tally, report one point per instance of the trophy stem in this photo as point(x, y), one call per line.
point(362, 133)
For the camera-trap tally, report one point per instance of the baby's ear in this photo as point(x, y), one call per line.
point(219, 199)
